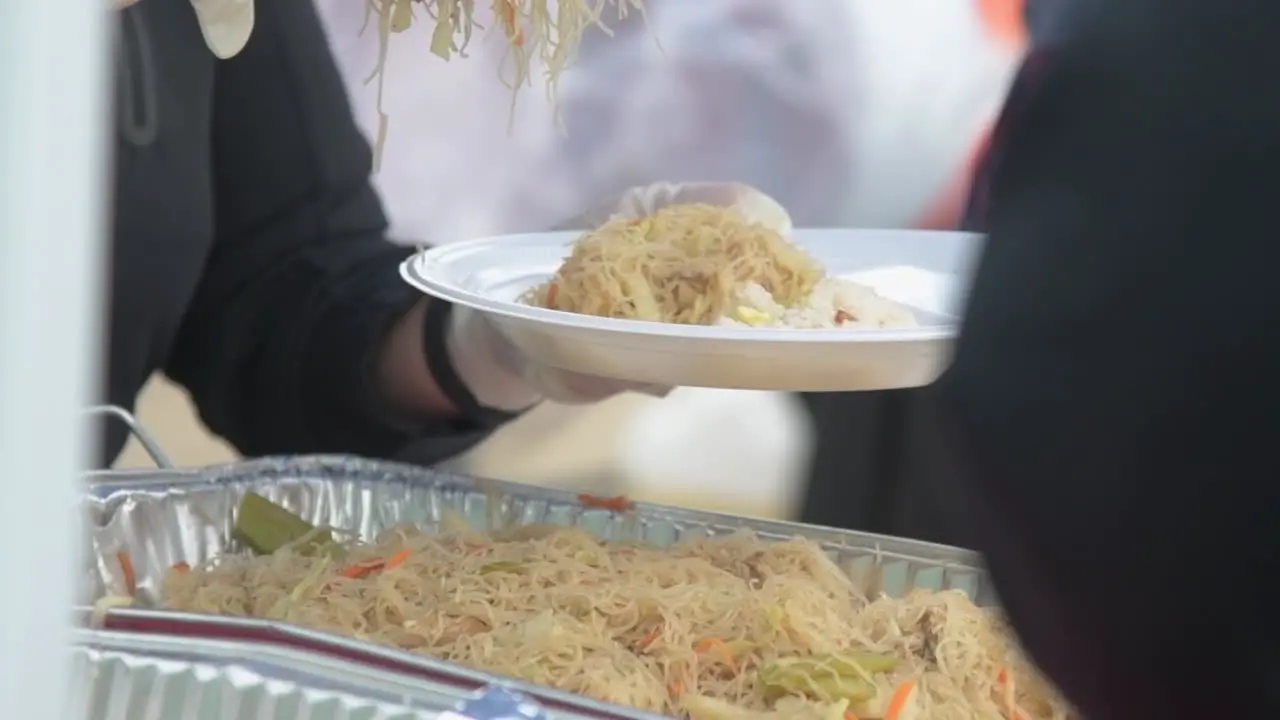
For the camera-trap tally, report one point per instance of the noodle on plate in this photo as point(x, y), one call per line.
point(701, 264)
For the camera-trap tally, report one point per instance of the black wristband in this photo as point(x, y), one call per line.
point(435, 333)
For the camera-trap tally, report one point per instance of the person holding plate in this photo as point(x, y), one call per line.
point(250, 262)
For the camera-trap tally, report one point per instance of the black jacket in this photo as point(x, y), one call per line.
point(249, 259)
point(1112, 404)
point(877, 453)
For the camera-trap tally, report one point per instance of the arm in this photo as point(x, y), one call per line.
point(1113, 395)
point(301, 337)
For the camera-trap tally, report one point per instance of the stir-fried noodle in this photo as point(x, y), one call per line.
point(700, 264)
point(717, 628)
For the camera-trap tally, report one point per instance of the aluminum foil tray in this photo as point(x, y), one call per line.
point(126, 677)
point(163, 517)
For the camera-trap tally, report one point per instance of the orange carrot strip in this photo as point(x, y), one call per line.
point(651, 637)
point(619, 504)
point(398, 559)
point(947, 208)
point(130, 577)
point(848, 715)
point(726, 655)
point(509, 19)
point(898, 700)
point(552, 291)
point(362, 569)
point(1009, 694)
point(1004, 21)
point(180, 567)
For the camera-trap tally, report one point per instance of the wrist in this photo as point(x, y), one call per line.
point(472, 366)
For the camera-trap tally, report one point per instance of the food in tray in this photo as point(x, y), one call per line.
point(706, 265)
point(715, 628)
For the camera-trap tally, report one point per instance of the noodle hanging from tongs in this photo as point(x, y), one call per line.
point(548, 32)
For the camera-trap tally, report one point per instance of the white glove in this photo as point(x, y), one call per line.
point(648, 199)
point(502, 378)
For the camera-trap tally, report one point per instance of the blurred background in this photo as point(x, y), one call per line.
point(856, 113)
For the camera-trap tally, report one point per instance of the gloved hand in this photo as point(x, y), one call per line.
point(647, 199)
point(502, 378)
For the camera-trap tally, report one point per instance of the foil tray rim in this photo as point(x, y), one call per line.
point(103, 484)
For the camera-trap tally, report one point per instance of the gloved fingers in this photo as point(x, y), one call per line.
point(575, 388)
point(502, 378)
point(757, 206)
point(657, 391)
point(634, 202)
point(753, 204)
point(720, 194)
point(487, 363)
point(593, 218)
point(645, 200)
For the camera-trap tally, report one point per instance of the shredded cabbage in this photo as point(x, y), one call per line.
point(546, 31)
point(683, 264)
point(723, 628)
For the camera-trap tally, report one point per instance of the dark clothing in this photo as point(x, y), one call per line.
point(1112, 402)
point(1020, 92)
point(249, 258)
point(881, 480)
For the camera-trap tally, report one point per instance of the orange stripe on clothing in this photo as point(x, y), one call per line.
point(1005, 21)
point(945, 213)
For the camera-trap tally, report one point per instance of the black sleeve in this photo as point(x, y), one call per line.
point(1115, 391)
point(301, 286)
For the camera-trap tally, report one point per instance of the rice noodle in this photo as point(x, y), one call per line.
point(548, 32)
point(683, 264)
point(688, 630)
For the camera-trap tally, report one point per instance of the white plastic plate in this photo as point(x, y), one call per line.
point(925, 270)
